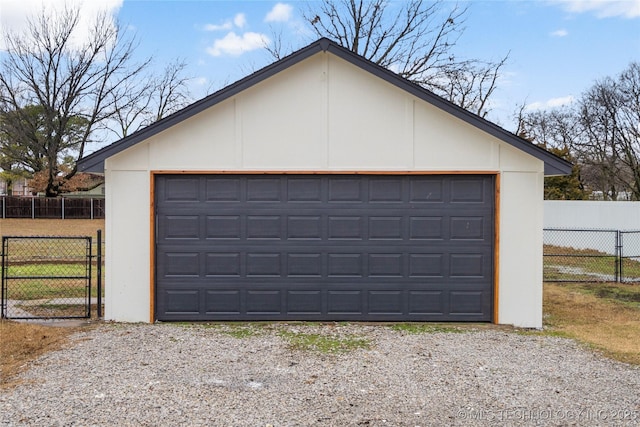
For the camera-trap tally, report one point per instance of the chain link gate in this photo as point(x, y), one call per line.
point(46, 277)
point(573, 255)
point(630, 256)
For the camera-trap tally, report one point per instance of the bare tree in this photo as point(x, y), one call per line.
point(470, 84)
point(414, 38)
point(601, 131)
point(148, 100)
point(71, 83)
point(56, 91)
point(609, 117)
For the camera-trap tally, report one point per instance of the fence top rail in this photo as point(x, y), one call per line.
point(94, 197)
point(598, 230)
point(47, 237)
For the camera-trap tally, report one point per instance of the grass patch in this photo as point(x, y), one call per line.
point(239, 331)
point(425, 328)
point(70, 282)
point(47, 289)
point(327, 344)
point(604, 316)
point(23, 342)
point(565, 264)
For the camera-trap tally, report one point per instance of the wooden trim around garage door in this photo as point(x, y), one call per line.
point(315, 172)
point(496, 251)
point(152, 248)
point(152, 216)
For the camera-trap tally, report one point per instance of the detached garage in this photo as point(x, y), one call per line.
point(324, 187)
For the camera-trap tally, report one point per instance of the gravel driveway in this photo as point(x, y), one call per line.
point(193, 375)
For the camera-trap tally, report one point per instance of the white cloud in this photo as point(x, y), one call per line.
point(281, 12)
point(603, 8)
point(551, 103)
point(200, 81)
point(235, 45)
point(219, 27)
point(559, 33)
point(240, 20)
point(16, 12)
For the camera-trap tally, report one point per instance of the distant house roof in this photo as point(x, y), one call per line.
point(553, 165)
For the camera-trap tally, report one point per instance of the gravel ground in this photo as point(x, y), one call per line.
point(194, 375)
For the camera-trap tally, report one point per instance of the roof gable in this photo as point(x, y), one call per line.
point(553, 165)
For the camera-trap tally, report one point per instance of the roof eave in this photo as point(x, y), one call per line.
point(553, 165)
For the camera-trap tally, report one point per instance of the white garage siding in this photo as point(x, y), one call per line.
point(324, 114)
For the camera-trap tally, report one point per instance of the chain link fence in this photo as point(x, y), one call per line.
point(574, 255)
point(46, 277)
point(630, 256)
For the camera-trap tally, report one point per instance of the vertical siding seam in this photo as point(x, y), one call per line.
point(325, 111)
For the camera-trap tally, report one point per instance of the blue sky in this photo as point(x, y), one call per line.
point(557, 48)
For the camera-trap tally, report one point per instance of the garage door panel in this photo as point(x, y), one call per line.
point(331, 247)
point(261, 189)
point(467, 265)
point(304, 227)
point(466, 302)
point(427, 302)
point(345, 265)
point(225, 264)
point(386, 265)
point(426, 190)
point(181, 264)
point(427, 265)
point(386, 302)
point(222, 189)
point(182, 189)
point(305, 190)
point(304, 302)
point(346, 227)
point(182, 301)
point(467, 190)
point(467, 228)
point(264, 301)
point(424, 228)
point(348, 189)
point(264, 264)
point(264, 227)
point(345, 302)
point(223, 227)
point(305, 265)
point(181, 227)
point(386, 227)
point(223, 302)
point(386, 190)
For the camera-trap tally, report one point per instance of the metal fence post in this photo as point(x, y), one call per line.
point(89, 281)
point(3, 296)
point(62, 201)
point(33, 207)
point(99, 272)
point(618, 256)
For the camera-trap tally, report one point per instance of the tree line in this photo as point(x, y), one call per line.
point(58, 94)
point(599, 133)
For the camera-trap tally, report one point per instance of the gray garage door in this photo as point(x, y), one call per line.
point(324, 247)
